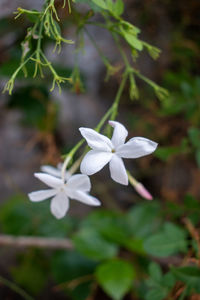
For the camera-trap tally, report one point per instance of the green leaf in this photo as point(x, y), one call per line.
point(112, 226)
point(118, 7)
point(19, 216)
point(144, 219)
point(90, 243)
point(164, 153)
point(169, 280)
point(197, 156)
point(31, 272)
point(194, 135)
point(91, 4)
point(67, 266)
point(170, 240)
point(133, 41)
point(115, 277)
point(158, 293)
point(189, 275)
point(100, 3)
point(155, 272)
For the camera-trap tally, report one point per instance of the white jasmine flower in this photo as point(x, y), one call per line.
point(57, 172)
point(105, 150)
point(76, 187)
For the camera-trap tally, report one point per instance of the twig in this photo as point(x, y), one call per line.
point(15, 288)
point(38, 242)
point(194, 234)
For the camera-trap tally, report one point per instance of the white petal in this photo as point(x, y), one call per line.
point(119, 134)
point(59, 205)
point(51, 170)
point(86, 199)
point(96, 140)
point(79, 182)
point(49, 180)
point(94, 161)
point(55, 171)
point(41, 195)
point(118, 170)
point(136, 147)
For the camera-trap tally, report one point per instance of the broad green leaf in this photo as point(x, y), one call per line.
point(197, 156)
point(118, 7)
point(169, 280)
point(110, 5)
point(20, 216)
point(189, 275)
point(115, 277)
point(164, 153)
point(135, 245)
point(144, 219)
point(90, 243)
point(91, 4)
point(155, 272)
point(194, 135)
point(31, 272)
point(67, 266)
point(112, 226)
point(133, 41)
point(100, 3)
point(157, 293)
point(170, 240)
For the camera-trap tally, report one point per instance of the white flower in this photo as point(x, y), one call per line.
point(76, 187)
point(112, 151)
point(57, 172)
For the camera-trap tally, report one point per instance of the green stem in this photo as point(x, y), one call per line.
point(118, 96)
point(15, 288)
point(9, 85)
point(49, 65)
point(112, 111)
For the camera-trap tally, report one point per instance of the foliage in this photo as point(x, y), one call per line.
point(149, 250)
point(96, 259)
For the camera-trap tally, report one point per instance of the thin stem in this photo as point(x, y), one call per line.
point(132, 180)
point(9, 85)
point(118, 96)
point(15, 288)
point(112, 111)
point(34, 241)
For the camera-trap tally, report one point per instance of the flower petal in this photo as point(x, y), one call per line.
point(59, 205)
point(136, 147)
point(118, 170)
point(119, 134)
point(55, 171)
point(51, 170)
point(86, 199)
point(96, 140)
point(41, 195)
point(79, 182)
point(49, 180)
point(94, 161)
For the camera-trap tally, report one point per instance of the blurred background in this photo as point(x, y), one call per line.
point(37, 126)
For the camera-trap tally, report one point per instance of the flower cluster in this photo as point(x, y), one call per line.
point(103, 151)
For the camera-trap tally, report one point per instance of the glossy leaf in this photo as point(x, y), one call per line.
point(115, 277)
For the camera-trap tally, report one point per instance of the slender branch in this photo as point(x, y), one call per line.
point(39, 242)
point(15, 288)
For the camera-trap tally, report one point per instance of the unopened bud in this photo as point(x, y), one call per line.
point(143, 191)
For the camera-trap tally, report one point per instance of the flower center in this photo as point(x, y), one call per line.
point(113, 151)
